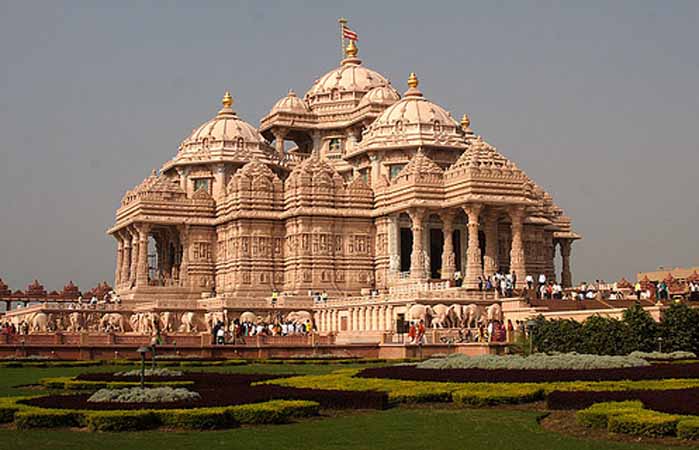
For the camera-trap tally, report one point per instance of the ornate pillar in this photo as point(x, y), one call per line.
point(353, 319)
point(142, 265)
point(517, 250)
point(393, 246)
point(491, 263)
point(126, 260)
point(374, 318)
point(375, 168)
point(448, 257)
point(184, 263)
point(389, 318)
point(133, 264)
point(566, 276)
point(417, 257)
point(382, 318)
point(279, 135)
point(119, 259)
point(473, 253)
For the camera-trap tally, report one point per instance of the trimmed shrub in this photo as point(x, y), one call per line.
point(146, 395)
point(122, 420)
point(540, 361)
point(157, 372)
point(499, 395)
point(643, 423)
point(278, 411)
point(597, 416)
point(688, 429)
point(43, 418)
point(198, 419)
point(7, 414)
point(657, 356)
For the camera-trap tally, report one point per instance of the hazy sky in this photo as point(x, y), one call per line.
point(597, 101)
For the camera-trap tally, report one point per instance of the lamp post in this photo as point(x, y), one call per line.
point(660, 344)
point(142, 352)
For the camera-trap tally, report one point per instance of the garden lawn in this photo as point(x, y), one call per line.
point(398, 428)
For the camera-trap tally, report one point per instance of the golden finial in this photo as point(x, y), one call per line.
point(351, 50)
point(465, 121)
point(227, 100)
point(413, 81)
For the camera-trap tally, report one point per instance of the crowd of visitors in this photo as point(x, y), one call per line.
point(239, 330)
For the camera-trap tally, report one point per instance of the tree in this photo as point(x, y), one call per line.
point(680, 328)
point(603, 336)
point(642, 330)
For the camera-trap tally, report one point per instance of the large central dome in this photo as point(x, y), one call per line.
point(342, 88)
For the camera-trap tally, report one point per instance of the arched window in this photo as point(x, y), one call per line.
point(437, 127)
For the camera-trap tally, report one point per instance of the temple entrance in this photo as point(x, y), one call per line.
point(436, 247)
point(406, 248)
point(481, 244)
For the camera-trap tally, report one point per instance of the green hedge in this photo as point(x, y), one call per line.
point(198, 419)
point(276, 411)
point(597, 415)
point(644, 423)
point(688, 428)
point(122, 420)
point(631, 418)
point(497, 396)
point(44, 418)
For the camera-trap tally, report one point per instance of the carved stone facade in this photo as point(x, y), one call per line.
point(352, 188)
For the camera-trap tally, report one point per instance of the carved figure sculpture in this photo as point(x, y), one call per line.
point(167, 321)
point(420, 312)
point(473, 315)
point(248, 316)
point(455, 313)
point(38, 323)
point(211, 318)
point(188, 323)
point(441, 316)
point(494, 312)
point(299, 317)
point(75, 322)
point(113, 321)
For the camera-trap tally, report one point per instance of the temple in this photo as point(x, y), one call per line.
point(352, 190)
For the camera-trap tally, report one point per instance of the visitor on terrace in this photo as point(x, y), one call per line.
point(458, 279)
point(638, 289)
point(693, 290)
point(542, 281)
point(529, 279)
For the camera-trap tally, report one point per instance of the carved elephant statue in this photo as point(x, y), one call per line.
point(420, 312)
point(167, 321)
point(494, 312)
point(299, 317)
point(248, 316)
point(473, 315)
point(456, 315)
point(441, 316)
point(113, 322)
point(76, 322)
point(39, 322)
point(188, 323)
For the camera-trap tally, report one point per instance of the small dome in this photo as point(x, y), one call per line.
point(414, 120)
point(382, 95)
point(225, 137)
point(345, 84)
point(290, 104)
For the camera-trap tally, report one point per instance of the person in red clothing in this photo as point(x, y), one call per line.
point(412, 331)
point(421, 332)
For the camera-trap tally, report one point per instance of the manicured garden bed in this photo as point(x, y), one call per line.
point(412, 373)
point(216, 390)
point(673, 401)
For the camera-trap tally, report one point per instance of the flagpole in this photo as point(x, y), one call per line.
point(342, 21)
